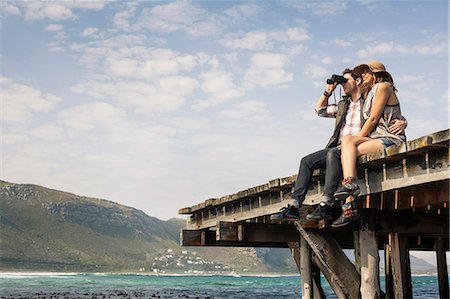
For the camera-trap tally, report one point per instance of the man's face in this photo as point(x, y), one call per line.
point(350, 85)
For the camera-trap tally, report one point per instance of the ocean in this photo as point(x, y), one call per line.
point(103, 286)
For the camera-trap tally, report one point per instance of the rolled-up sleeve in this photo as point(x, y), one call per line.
point(327, 111)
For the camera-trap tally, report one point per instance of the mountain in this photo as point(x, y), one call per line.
point(48, 230)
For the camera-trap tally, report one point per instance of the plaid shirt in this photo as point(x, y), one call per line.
point(352, 124)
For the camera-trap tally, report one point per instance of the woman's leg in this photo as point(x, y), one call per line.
point(350, 151)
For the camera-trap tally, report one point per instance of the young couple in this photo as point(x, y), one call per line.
point(368, 118)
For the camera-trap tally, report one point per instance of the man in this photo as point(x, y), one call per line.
point(349, 120)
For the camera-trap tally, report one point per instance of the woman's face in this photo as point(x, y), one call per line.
point(368, 77)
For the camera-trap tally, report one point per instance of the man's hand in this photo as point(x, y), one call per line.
point(397, 126)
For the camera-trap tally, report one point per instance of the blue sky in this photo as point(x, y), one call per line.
point(161, 105)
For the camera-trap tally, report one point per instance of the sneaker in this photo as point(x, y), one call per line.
point(322, 212)
point(287, 213)
point(349, 214)
point(348, 188)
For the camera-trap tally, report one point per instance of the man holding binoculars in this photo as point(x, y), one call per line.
point(349, 119)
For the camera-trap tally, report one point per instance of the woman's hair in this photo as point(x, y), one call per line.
point(379, 77)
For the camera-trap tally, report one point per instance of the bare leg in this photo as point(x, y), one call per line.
point(352, 148)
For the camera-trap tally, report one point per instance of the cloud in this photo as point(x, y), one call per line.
point(135, 62)
point(181, 16)
point(381, 48)
point(244, 113)
point(48, 132)
point(87, 116)
point(164, 94)
point(54, 27)
point(90, 31)
point(268, 69)
point(341, 43)
point(21, 102)
point(9, 9)
point(243, 11)
point(56, 10)
point(316, 71)
point(121, 19)
point(219, 86)
point(329, 8)
point(265, 39)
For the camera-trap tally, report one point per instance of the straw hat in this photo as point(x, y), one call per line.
point(373, 66)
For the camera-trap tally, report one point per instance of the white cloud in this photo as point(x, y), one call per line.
point(122, 19)
point(56, 10)
point(243, 11)
point(20, 102)
point(87, 116)
point(219, 85)
point(268, 69)
point(329, 8)
point(90, 31)
point(341, 43)
point(316, 71)
point(54, 27)
point(246, 112)
point(9, 9)
point(265, 39)
point(183, 16)
point(48, 132)
point(375, 49)
point(164, 94)
point(327, 60)
point(137, 62)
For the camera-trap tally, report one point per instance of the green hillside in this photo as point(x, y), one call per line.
point(48, 230)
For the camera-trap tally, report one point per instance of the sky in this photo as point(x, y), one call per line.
point(160, 105)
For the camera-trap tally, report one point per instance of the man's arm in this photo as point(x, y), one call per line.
point(322, 107)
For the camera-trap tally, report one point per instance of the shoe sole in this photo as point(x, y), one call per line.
point(345, 224)
point(344, 195)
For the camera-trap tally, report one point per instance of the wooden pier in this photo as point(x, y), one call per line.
point(403, 204)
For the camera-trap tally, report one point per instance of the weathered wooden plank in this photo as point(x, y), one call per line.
point(401, 270)
point(333, 260)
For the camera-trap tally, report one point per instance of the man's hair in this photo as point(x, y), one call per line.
point(349, 71)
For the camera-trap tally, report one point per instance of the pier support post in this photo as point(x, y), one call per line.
point(388, 272)
point(442, 268)
point(305, 269)
point(370, 276)
point(332, 262)
point(401, 268)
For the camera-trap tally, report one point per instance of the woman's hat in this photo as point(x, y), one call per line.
point(373, 66)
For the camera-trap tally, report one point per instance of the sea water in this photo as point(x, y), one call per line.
point(75, 285)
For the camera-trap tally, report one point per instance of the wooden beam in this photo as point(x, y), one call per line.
point(370, 276)
point(256, 232)
point(208, 238)
point(318, 292)
point(341, 272)
point(442, 268)
point(414, 223)
point(305, 270)
point(389, 282)
point(334, 284)
point(401, 268)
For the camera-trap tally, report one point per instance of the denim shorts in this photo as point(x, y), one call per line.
point(386, 142)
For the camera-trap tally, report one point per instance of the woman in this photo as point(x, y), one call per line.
point(381, 107)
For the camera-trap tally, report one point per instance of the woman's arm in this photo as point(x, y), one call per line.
point(382, 95)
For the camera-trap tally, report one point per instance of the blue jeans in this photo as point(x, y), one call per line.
point(330, 159)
